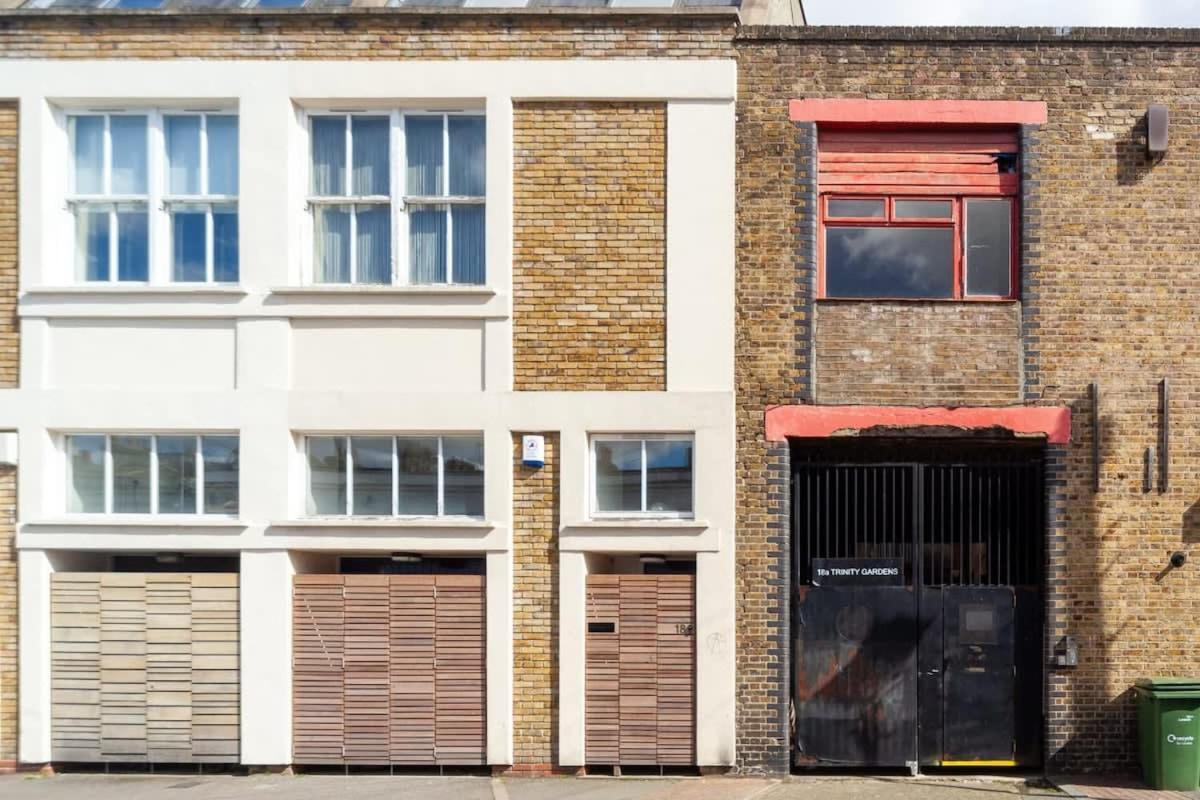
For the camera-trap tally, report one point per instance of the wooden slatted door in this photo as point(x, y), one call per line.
point(641, 666)
point(144, 667)
point(946, 161)
point(389, 669)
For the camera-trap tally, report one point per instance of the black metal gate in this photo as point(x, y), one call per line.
point(917, 614)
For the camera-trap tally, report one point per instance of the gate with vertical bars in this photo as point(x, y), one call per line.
point(389, 669)
point(941, 666)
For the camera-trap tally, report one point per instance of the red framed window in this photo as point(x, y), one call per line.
point(918, 247)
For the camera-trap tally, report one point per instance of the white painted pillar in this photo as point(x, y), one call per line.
point(33, 653)
point(499, 657)
point(572, 656)
point(716, 622)
point(266, 660)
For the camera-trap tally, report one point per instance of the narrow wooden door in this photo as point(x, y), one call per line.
point(640, 698)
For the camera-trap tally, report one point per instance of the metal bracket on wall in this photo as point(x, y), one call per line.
point(1148, 470)
point(1164, 434)
point(1097, 432)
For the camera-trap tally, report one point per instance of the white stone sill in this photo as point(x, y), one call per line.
point(134, 521)
point(136, 290)
point(636, 524)
point(336, 290)
point(406, 523)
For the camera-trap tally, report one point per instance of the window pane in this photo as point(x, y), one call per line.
point(177, 474)
point(221, 454)
point(370, 136)
point(91, 243)
point(669, 476)
point(988, 249)
point(924, 209)
point(372, 475)
point(225, 244)
point(128, 154)
point(328, 156)
point(423, 148)
point(85, 474)
point(467, 160)
point(417, 459)
point(131, 474)
point(889, 262)
point(132, 244)
point(374, 243)
point(89, 154)
point(855, 208)
point(427, 245)
point(183, 154)
point(222, 154)
point(462, 463)
point(188, 245)
point(327, 475)
point(332, 242)
point(618, 476)
point(468, 244)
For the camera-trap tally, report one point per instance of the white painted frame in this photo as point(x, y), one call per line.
point(109, 476)
point(398, 200)
point(643, 513)
point(395, 439)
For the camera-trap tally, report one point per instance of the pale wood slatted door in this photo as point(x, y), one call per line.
point(389, 669)
point(318, 686)
point(641, 667)
point(144, 667)
point(460, 670)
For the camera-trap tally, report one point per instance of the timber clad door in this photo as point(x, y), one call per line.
point(389, 669)
point(144, 667)
point(641, 668)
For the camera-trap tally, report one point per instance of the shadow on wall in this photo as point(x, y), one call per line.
point(1129, 150)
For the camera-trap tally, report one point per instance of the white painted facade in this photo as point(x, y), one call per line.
point(277, 357)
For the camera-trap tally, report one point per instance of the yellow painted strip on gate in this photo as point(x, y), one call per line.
point(978, 764)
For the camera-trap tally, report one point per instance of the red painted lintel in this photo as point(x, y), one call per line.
point(782, 422)
point(855, 111)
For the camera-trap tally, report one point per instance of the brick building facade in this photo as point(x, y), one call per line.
point(1105, 259)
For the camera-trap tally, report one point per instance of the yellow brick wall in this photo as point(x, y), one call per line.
point(8, 245)
point(589, 247)
point(535, 610)
point(8, 619)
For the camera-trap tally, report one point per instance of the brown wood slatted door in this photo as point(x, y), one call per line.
point(144, 667)
point(412, 672)
point(389, 669)
point(641, 668)
point(318, 690)
point(460, 670)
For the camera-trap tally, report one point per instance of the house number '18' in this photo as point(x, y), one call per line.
point(685, 628)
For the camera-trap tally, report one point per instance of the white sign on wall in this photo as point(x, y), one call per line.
point(533, 451)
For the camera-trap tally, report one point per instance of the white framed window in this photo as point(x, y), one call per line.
point(134, 473)
point(397, 197)
point(397, 476)
point(154, 196)
point(642, 475)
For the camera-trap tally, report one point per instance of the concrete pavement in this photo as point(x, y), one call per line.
point(85, 786)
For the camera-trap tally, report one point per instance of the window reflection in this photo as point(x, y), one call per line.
point(889, 262)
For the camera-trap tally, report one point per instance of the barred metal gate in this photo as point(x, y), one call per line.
point(917, 613)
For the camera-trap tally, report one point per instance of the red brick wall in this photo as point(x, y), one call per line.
point(1110, 269)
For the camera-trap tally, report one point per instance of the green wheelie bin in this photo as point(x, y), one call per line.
point(1169, 732)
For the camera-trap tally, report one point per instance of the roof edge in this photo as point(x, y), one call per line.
point(967, 34)
point(729, 13)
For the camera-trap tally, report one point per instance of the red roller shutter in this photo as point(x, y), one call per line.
point(945, 161)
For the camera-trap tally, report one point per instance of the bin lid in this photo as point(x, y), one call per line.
point(1169, 684)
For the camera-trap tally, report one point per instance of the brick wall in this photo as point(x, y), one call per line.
point(8, 619)
point(953, 354)
point(1111, 253)
point(535, 611)
point(363, 34)
point(589, 246)
point(9, 354)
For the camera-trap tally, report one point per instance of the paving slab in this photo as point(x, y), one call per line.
point(908, 788)
point(1098, 787)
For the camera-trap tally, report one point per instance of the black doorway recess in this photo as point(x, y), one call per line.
point(917, 603)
